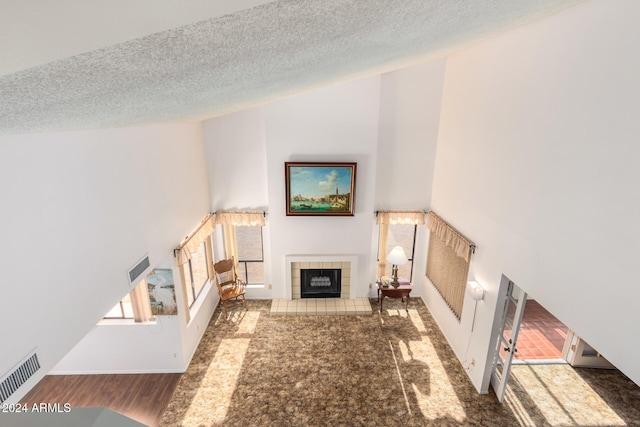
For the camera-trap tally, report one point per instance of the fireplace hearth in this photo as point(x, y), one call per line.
point(320, 282)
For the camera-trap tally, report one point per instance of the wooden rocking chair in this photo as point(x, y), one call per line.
point(230, 288)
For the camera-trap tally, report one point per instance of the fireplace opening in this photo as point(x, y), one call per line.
point(320, 282)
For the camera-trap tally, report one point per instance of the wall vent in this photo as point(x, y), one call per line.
point(18, 376)
point(138, 270)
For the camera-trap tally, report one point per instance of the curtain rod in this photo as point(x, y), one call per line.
point(264, 213)
point(419, 210)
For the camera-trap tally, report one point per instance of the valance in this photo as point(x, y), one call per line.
point(240, 218)
point(462, 246)
point(191, 243)
point(400, 217)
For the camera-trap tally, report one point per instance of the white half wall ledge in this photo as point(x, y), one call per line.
point(351, 258)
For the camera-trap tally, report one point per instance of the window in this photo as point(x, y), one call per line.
point(122, 310)
point(196, 272)
point(448, 273)
point(243, 242)
point(397, 228)
point(403, 235)
point(250, 254)
point(195, 260)
point(135, 305)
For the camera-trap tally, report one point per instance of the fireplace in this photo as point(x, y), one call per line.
point(320, 282)
point(294, 264)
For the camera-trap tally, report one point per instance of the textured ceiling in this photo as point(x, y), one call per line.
point(251, 56)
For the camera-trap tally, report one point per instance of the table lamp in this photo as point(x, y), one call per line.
point(396, 257)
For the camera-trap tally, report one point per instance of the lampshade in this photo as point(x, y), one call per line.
point(397, 256)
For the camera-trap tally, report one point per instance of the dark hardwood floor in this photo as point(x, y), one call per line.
point(142, 397)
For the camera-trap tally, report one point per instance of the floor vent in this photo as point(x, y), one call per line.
point(138, 270)
point(14, 379)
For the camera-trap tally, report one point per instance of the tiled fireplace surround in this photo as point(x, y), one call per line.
point(295, 305)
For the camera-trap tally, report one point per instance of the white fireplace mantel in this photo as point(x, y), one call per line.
point(318, 258)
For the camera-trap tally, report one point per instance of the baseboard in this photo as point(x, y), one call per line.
point(119, 372)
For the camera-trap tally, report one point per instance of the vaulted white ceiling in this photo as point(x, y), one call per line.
point(73, 64)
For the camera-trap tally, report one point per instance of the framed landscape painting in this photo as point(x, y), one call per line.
point(320, 189)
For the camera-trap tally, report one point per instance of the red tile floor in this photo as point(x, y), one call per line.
point(541, 335)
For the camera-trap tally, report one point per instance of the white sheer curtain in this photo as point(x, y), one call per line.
point(384, 219)
point(229, 221)
point(189, 246)
point(230, 242)
point(140, 302)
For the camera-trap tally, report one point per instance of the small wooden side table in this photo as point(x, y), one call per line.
point(401, 291)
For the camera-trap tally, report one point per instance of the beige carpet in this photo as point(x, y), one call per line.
point(381, 370)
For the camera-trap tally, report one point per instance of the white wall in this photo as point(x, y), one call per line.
point(408, 134)
point(536, 162)
point(79, 209)
point(338, 123)
point(121, 346)
point(236, 161)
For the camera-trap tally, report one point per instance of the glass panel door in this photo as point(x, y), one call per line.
point(512, 312)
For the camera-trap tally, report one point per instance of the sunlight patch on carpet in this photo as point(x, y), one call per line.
point(511, 400)
point(582, 407)
point(417, 321)
point(248, 323)
point(431, 394)
point(213, 398)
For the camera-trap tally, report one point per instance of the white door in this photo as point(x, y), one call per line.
point(578, 353)
point(513, 309)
